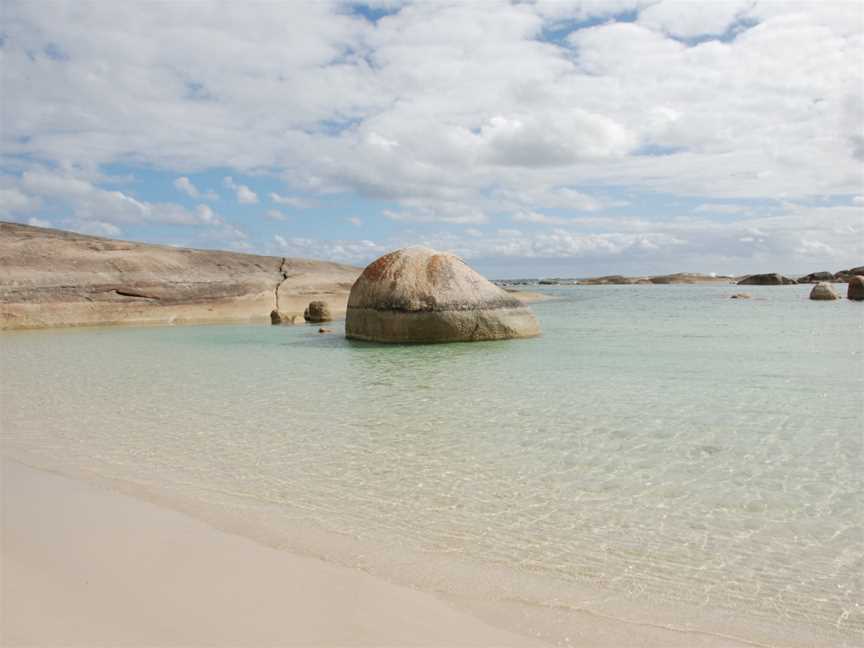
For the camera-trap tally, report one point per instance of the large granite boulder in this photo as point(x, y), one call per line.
point(855, 289)
point(419, 295)
point(769, 279)
point(823, 291)
point(317, 311)
point(816, 277)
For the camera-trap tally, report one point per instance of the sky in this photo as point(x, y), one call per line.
point(532, 138)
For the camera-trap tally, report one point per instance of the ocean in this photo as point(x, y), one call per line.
point(662, 462)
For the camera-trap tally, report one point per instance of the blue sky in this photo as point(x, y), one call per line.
point(565, 138)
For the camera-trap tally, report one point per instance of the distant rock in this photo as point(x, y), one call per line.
point(608, 280)
point(846, 275)
point(816, 277)
point(688, 278)
point(317, 311)
point(419, 295)
point(855, 289)
point(548, 282)
point(740, 296)
point(769, 279)
point(823, 291)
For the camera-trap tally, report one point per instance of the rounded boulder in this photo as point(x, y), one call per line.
point(855, 290)
point(419, 295)
point(317, 311)
point(823, 291)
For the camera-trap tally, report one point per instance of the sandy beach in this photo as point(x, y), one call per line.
point(83, 566)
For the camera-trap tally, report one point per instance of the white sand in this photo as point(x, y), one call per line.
point(87, 567)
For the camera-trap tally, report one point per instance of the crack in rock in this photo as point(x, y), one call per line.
point(284, 274)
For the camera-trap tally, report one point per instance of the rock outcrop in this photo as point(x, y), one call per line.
point(846, 275)
point(823, 291)
point(816, 277)
point(419, 295)
point(769, 279)
point(317, 311)
point(855, 290)
point(52, 278)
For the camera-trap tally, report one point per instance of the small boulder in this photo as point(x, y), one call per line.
point(325, 330)
point(768, 279)
point(281, 317)
point(317, 311)
point(740, 296)
point(419, 295)
point(823, 291)
point(856, 288)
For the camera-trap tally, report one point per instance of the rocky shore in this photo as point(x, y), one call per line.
point(766, 279)
point(52, 278)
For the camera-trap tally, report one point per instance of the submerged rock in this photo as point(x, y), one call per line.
point(823, 291)
point(317, 311)
point(419, 295)
point(856, 288)
point(769, 279)
point(740, 296)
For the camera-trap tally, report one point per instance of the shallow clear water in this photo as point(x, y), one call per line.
point(662, 454)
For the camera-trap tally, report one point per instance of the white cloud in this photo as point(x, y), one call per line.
point(97, 228)
point(553, 139)
point(457, 114)
point(185, 185)
point(538, 218)
point(38, 222)
point(14, 201)
point(291, 201)
point(461, 216)
point(343, 251)
point(245, 196)
point(275, 215)
point(678, 17)
point(720, 208)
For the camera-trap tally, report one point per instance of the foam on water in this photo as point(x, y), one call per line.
point(662, 454)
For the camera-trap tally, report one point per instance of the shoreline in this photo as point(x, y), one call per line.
point(83, 565)
point(137, 539)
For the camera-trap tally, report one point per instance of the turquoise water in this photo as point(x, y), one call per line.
point(662, 455)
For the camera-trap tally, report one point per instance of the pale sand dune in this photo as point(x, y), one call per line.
point(87, 567)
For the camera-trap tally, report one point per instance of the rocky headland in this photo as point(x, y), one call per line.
point(51, 278)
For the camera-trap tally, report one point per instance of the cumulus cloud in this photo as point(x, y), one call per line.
point(185, 185)
point(344, 251)
point(678, 18)
point(455, 114)
point(14, 201)
point(38, 222)
point(245, 196)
